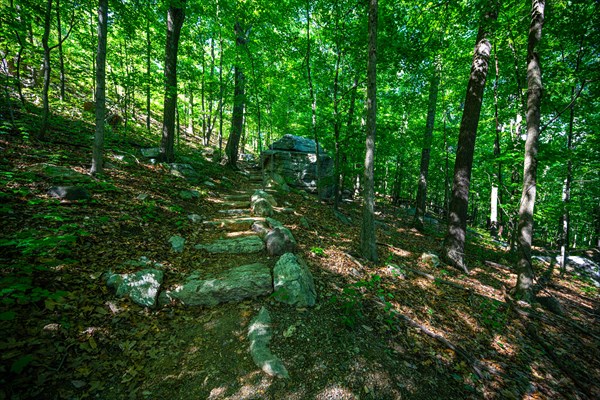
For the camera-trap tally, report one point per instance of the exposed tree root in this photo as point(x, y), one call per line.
point(478, 367)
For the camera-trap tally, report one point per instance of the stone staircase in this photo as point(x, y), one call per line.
point(253, 238)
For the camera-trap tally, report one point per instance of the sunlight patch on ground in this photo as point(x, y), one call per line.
point(335, 392)
point(502, 346)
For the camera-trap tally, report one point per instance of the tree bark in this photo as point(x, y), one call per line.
point(46, 88)
point(100, 95)
point(336, 129)
point(454, 243)
point(61, 60)
point(313, 100)
point(496, 195)
point(148, 65)
point(239, 100)
point(420, 208)
point(368, 243)
point(175, 17)
point(524, 288)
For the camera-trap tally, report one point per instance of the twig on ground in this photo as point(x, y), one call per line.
point(475, 364)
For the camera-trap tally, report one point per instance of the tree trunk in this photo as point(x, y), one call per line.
point(524, 289)
point(564, 239)
point(61, 60)
point(368, 243)
point(239, 99)
point(98, 149)
point(175, 17)
point(494, 224)
point(420, 208)
point(336, 129)
point(313, 100)
point(454, 243)
point(46, 88)
point(148, 65)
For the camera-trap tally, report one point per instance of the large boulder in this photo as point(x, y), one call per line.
point(141, 287)
point(69, 192)
point(239, 283)
point(295, 159)
point(279, 241)
point(293, 282)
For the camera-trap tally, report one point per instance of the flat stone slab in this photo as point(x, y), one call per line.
point(259, 335)
point(242, 245)
point(234, 211)
point(237, 204)
point(69, 193)
point(236, 284)
point(141, 287)
point(234, 224)
point(293, 282)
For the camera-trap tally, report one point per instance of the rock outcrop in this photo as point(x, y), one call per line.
point(294, 158)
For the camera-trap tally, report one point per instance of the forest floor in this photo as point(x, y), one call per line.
point(401, 328)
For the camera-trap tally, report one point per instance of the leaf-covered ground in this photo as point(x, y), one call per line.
point(378, 331)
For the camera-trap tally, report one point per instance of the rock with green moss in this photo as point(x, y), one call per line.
point(293, 282)
point(242, 245)
point(141, 287)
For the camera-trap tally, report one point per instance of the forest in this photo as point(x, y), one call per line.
point(343, 199)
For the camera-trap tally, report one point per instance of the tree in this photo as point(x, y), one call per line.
point(368, 242)
point(239, 101)
point(454, 243)
point(98, 149)
point(175, 17)
point(524, 288)
point(426, 152)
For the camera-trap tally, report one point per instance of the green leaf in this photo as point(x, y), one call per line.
point(19, 365)
point(7, 316)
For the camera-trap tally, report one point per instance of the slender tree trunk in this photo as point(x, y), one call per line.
point(205, 136)
point(221, 88)
point(454, 243)
point(313, 100)
point(148, 64)
point(61, 60)
point(368, 242)
point(46, 88)
point(175, 17)
point(420, 208)
point(336, 129)
point(239, 99)
point(496, 196)
point(19, 57)
point(564, 239)
point(524, 289)
point(98, 149)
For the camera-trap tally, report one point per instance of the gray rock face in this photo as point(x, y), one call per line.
point(294, 158)
point(261, 194)
point(152, 152)
point(242, 245)
point(141, 287)
point(293, 282)
point(177, 243)
point(430, 259)
point(183, 171)
point(246, 281)
point(69, 193)
point(296, 143)
point(195, 218)
point(279, 241)
point(261, 229)
point(259, 335)
point(277, 182)
point(273, 223)
point(262, 208)
point(584, 266)
point(189, 194)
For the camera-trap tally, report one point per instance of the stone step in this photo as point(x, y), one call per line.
point(238, 197)
point(234, 224)
point(237, 204)
point(235, 211)
point(240, 245)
